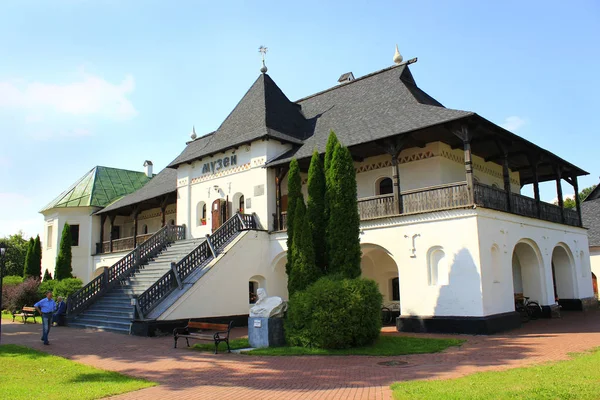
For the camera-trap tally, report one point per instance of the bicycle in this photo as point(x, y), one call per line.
point(388, 311)
point(528, 309)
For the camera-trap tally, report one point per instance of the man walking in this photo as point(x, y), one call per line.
point(46, 308)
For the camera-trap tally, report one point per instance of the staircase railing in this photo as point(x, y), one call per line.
point(81, 299)
point(197, 258)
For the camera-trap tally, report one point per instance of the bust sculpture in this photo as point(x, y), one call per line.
point(267, 307)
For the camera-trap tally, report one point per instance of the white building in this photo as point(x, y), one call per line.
point(445, 231)
point(590, 210)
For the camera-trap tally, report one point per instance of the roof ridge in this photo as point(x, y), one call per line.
point(351, 82)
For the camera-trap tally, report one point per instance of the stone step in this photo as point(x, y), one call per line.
point(116, 317)
point(102, 322)
point(108, 312)
point(104, 309)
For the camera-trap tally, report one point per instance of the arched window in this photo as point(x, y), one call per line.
point(385, 186)
point(252, 288)
point(172, 222)
point(437, 271)
point(201, 213)
point(241, 204)
point(496, 267)
point(145, 229)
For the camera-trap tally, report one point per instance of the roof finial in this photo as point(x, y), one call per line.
point(193, 135)
point(263, 51)
point(397, 57)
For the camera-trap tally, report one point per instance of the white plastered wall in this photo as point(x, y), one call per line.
point(223, 290)
point(504, 231)
point(248, 177)
point(89, 232)
point(595, 261)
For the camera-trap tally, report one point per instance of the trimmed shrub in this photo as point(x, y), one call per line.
point(25, 294)
point(37, 257)
point(335, 314)
point(45, 286)
point(67, 287)
point(303, 271)
point(12, 280)
point(29, 269)
point(47, 276)
point(315, 209)
point(294, 194)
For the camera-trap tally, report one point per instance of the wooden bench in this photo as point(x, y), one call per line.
point(204, 331)
point(26, 312)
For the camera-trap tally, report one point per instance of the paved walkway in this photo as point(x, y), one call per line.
point(185, 374)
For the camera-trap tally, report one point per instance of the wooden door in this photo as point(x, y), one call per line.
point(595, 284)
point(216, 214)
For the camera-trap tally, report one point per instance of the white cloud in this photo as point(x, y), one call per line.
point(565, 197)
point(88, 96)
point(17, 214)
point(513, 123)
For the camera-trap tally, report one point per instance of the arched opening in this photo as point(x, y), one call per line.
point(277, 284)
point(237, 203)
point(384, 186)
point(437, 267)
point(145, 229)
point(254, 283)
point(378, 265)
point(563, 273)
point(595, 284)
point(528, 277)
point(496, 266)
point(241, 205)
point(201, 214)
point(172, 222)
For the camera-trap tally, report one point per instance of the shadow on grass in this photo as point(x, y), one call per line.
point(104, 377)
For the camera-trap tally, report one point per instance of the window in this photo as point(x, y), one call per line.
point(49, 237)
point(201, 213)
point(145, 229)
point(115, 233)
point(241, 205)
point(395, 289)
point(172, 222)
point(252, 288)
point(385, 186)
point(437, 272)
point(496, 267)
point(74, 235)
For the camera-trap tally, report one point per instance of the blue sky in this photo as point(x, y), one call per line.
point(85, 83)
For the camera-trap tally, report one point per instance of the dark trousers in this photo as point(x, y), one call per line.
point(46, 325)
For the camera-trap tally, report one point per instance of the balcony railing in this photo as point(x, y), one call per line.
point(123, 244)
point(456, 195)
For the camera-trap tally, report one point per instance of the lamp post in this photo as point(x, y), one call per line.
point(2, 254)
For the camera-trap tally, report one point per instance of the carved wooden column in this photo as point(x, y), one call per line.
point(279, 175)
point(102, 221)
point(533, 161)
point(506, 178)
point(110, 237)
point(466, 135)
point(163, 210)
point(135, 226)
point(577, 200)
point(560, 193)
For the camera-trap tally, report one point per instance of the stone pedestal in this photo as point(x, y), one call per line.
point(265, 332)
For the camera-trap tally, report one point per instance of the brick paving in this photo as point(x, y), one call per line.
point(184, 374)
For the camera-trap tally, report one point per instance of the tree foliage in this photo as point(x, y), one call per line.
point(37, 257)
point(343, 243)
point(303, 271)
point(16, 250)
point(29, 269)
point(294, 194)
point(47, 276)
point(569, 202)
point(315, 209)
point(63, 260)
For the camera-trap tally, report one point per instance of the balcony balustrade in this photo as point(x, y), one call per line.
point(456, 195)
point(123, 244)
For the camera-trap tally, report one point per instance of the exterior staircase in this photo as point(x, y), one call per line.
point(114, 310)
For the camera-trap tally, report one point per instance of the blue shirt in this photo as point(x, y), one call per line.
point(45, 305)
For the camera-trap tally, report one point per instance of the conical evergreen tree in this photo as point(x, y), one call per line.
point(29, 267)
point(332, 142)
point(315, 209)
point(47, 276)
point(294, 193)
point(344, 223)
point(63, 260)
point(304, 271)
point(37, 256)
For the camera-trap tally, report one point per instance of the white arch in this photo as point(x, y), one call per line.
point(235, 202)
point(378, 264)
point(201, 212)
point(563, 272)
point(528, 271)
point(378, 183)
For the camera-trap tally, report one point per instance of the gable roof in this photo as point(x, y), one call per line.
point(590, 215)
point(99, 187)
point(163, 183)
point(264, 111)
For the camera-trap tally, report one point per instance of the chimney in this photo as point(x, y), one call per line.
point(347, 77)
point(148, 168)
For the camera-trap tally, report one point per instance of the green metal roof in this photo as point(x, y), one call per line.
point(99, 187)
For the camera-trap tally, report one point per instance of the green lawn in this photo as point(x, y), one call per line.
point(385, 346)
point(578, 378)
point(30, 374)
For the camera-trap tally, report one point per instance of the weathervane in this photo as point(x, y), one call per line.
point(263, 51)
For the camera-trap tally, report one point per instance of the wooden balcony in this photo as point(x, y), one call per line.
point(123, 244)
point(456, 195)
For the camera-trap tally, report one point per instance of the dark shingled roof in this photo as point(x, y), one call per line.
point(376, 106)
point(590, 214)
point(163, 183)
point(264, 111)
